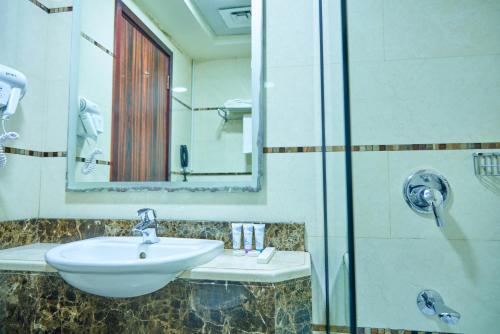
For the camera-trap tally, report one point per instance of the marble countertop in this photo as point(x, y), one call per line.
point(26, 258)
point(283, 266)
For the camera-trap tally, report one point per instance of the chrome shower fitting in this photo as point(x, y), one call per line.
point(430, 302)
point(427, 192)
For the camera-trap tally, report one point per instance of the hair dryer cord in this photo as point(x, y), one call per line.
point(91, 162)
point(3, 138)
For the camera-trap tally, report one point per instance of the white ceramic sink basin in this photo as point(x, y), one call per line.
point(126, 267)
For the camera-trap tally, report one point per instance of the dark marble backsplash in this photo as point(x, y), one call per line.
point(283, 236)
point(44, 303)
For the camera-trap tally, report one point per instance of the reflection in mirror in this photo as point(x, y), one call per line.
point(163, 95)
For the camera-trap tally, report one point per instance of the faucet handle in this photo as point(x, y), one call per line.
point(147, 214)
point(426, 192)
point(435, 199)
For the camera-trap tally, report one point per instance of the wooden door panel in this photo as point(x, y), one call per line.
point(141, 104)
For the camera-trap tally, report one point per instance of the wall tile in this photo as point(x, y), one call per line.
point(19, 192)
point(390, 274)
point(292, 116)
point(290, 33)
point(429, 28)
point(426, 101)
point(371, 194)
point(58, 45)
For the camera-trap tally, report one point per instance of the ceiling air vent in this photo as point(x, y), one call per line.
point(240, 17)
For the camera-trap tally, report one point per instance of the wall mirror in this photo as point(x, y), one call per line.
point(166, 95)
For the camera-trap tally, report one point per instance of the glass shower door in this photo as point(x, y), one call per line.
point(424, 107)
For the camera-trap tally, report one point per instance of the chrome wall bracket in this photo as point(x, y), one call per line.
point(426, 192)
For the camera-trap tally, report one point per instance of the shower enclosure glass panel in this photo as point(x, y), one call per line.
point(424, 84)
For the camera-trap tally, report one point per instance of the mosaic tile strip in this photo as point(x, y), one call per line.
point(370, 330)
point(207, 109)
point(382, 148)
point(99, 162)
point(181, 103)
point(313, 149)
point(32, 153)
point(96, 43)
point(214, 174)
point(51, 10)
point(283, 236)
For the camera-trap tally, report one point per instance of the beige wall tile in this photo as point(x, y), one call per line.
point(390, 274)
point(426, 101)
point(20, 185)
point(444, 28)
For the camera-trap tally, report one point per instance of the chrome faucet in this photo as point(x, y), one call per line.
point(430, 302)
point(427, 192)
point(147, 226)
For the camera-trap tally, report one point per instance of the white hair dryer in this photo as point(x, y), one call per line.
point(12, 89)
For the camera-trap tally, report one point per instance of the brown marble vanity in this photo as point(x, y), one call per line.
point(41, 302)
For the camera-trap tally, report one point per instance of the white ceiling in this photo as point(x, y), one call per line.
point(197, 28)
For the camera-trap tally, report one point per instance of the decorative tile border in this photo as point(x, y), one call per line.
point(99, 162)
point(96, 43)
point(32, 153)
point(207, 109)
point(307, 149)
point(51, 10)
point(181, 103)
point(60, 10)
point(370, 330)
point(383, 148)
point(214, 174)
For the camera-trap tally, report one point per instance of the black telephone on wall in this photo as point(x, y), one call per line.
point(184, 161)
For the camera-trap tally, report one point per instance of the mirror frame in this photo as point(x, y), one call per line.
point(258, 77)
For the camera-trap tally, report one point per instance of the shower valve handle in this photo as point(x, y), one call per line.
point(434, 198)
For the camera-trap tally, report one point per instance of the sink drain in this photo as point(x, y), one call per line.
point(142, 255)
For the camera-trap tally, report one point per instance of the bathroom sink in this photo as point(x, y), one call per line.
point(127, 267)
